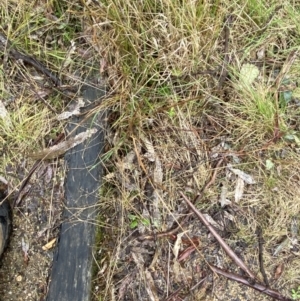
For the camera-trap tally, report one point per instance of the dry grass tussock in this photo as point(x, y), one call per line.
point(193, 84)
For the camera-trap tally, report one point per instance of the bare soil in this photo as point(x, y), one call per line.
point(26, 263)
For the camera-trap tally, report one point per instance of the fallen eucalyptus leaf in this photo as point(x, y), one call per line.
point(177, 244)
point(75, 111)
point(278, 271)
point(239, 189)
point(25, 248)
point(59, 149)
point(223, 200)
point(244, 176)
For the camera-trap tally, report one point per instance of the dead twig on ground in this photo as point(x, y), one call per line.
point(220, 240)
point(261, 288)
point(5, 44)
point(260, 255)
point(19, 196)
point(251, 282)
point(224, 70)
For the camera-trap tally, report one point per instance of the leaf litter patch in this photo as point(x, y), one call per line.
point(163, 251)
point(26, 263)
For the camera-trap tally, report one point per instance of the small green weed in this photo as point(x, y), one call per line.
point(135, 220)
point(296, 293)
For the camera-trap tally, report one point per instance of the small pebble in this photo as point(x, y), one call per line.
point(19, 278)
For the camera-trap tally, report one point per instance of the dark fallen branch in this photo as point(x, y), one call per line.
point(19, 196)
point(261, 288)
point(223, 244)
point(5, 44)
point(251, 282)
point(260, 255)
point(224, 70)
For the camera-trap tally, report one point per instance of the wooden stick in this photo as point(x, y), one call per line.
point(261, 288)
point(223, 244)
point(15, 54)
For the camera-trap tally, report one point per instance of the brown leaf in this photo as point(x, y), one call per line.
point(186, 253)
point(278, 271)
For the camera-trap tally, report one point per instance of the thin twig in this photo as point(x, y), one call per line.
point(224, 70)
point(18, 198)
point(286, 68)
point(174, 295)
point(260, 255)
point(223, 244)
point(261, 288)
point(15, 54)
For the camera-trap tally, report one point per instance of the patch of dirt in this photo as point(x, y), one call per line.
point(26, 263)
